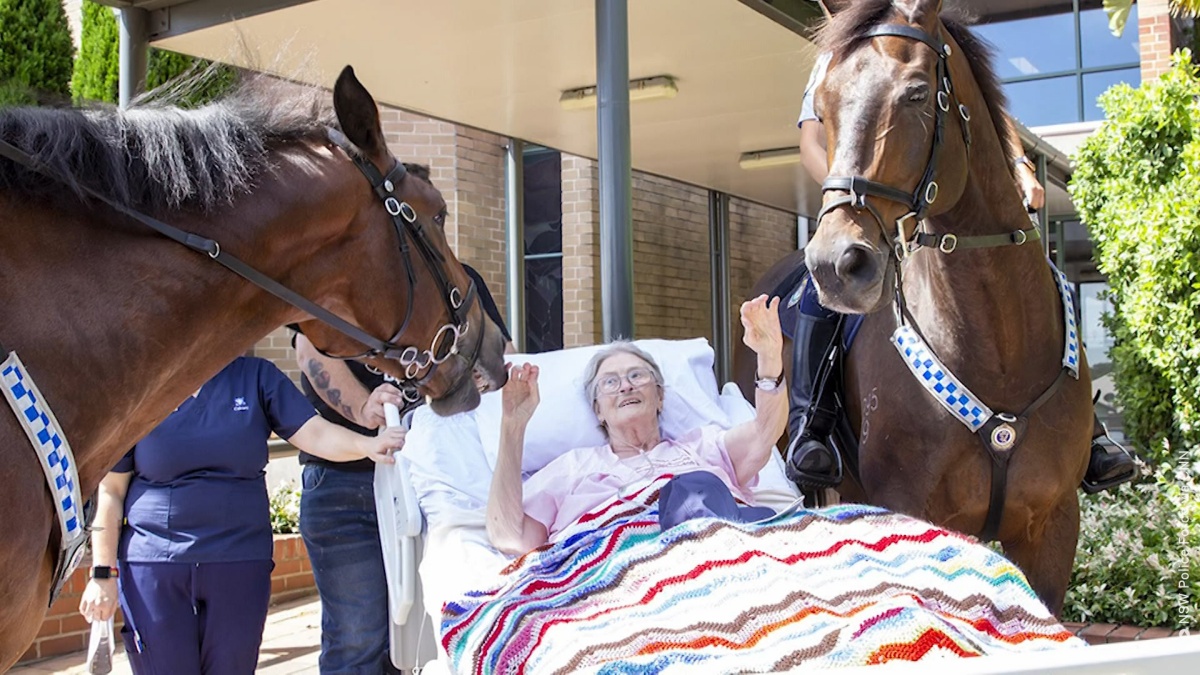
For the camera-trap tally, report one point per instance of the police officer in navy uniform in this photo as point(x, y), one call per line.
point(193, 559)
point(337, 509)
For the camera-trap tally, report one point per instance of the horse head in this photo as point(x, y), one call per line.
point(408, 287)
point(898, 144)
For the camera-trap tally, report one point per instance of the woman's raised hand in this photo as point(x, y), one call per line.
point(760, 321)
point(520, 397)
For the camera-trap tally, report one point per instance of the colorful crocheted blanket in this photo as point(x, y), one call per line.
point(838, 586)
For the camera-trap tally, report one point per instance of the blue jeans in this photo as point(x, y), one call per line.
point(340, 529)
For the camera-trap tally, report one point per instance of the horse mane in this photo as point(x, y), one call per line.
point(847, 30)
point(157, 156)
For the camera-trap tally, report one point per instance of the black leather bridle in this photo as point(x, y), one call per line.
point(404, 220)
point(858, 188)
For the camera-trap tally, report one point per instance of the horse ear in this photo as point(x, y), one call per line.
point(358, 114)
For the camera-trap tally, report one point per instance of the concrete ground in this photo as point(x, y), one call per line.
point(291, 645)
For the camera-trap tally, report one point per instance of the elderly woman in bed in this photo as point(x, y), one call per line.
point(711, 466)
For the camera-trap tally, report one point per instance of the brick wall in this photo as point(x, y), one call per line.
point(1158, 37)
point(672, 279)
point(277, 347)
point(65, 631)
point(582, 324)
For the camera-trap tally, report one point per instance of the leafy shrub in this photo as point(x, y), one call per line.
point(1138, 560)
point(35, 49)
point(285, 508)
point(1135, 187)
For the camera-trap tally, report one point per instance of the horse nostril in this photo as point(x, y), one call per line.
point(856, 263)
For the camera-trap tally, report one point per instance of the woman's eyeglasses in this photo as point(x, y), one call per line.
point(610, 383)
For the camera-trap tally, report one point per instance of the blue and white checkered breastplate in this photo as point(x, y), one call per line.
point(949, 391)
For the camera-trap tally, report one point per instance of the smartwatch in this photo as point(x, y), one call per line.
point(768, 383)
point(104, 572)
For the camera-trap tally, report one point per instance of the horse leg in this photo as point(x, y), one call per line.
point(1047, 557)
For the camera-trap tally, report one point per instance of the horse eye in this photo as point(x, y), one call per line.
point(440, 219)
point(917, 93)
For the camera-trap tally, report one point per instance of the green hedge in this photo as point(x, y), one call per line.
point(1137, 186)
point(35, 51)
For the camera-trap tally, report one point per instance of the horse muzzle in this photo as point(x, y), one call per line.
point(851, 276)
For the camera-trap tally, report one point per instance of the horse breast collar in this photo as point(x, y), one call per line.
point(1001, 432)
point(57, 462)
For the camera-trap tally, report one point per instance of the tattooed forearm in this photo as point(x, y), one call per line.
point(335, 401)
point(317, 375)
point(321, 381)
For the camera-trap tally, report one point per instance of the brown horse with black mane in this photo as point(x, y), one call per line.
point(117, 324)
point(950, 263)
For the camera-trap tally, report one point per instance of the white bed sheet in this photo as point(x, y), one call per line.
point(451, 469)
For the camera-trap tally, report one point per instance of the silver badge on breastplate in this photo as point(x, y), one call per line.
point(1004, 436)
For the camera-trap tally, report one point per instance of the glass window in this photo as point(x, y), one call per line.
point(543, 305)
point(1056, 58)
point(1100, 47)
point(543, 201)
point(543, 250)
point(1050, 101)
point(1095, 84)
point(1034, 46)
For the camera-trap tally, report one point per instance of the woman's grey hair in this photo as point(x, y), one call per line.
point(614, 348)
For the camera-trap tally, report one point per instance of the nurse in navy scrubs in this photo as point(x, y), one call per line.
point(183, 521)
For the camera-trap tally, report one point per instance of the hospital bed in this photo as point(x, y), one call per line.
point(431, 506)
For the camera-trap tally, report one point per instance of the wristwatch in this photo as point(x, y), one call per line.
point(1026, 161)
point(768, 383)
point(104, 572)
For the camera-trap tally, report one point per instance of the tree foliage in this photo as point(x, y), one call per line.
point(1135, 186)
point(97, 71)
point(35, 50)
point(1118, 12)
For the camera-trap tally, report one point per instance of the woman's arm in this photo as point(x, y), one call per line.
point(318, 436)
point(750, 444)
point(509, 529)
point(99, 601)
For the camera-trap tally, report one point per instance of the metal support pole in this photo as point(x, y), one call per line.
point(132, 54)
point(718, 233)
point(615, 163)
point(514, 229)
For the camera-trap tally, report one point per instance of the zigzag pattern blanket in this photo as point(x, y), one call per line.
point(839, 586)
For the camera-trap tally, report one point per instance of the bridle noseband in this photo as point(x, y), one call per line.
point(919, 200)
point(458, 304)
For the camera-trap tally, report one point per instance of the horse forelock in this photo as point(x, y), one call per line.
point(847, 30)
point(156, 156)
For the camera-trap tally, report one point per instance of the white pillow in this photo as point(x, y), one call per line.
point(565, 420)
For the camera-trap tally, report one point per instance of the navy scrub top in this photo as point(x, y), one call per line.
point(198, 491)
